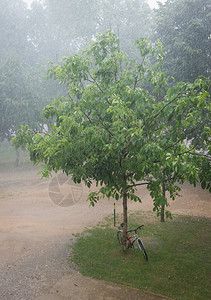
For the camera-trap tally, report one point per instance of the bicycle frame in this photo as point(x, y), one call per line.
point(132, 238)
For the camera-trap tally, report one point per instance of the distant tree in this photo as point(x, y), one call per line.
point(49, 43)
point(179, 165)
point(129, 19)
point(112, 131)
point(19, 104)
point(24, 89)
point(79, 21)
point(13, 37)
point(184, 28)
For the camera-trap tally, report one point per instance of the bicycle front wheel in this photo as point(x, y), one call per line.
point(141, 247)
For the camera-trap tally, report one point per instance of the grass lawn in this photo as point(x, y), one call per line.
point(178, 251)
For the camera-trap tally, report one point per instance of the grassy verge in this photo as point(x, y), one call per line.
point(178, 250)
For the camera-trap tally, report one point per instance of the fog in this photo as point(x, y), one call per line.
point(31, 38)
point(117, 114)
point(152, 3)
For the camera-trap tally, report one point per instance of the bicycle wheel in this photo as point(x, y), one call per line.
point(141, 247)
point(120, 239)
point(120, 236)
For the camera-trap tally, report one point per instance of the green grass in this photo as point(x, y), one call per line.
point(178, 250)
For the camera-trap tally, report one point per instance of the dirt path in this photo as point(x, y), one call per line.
point(35, 232)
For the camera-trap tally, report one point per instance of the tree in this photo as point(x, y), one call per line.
point(128, 19)
point(24, 89)
point(18, 104)
point(13, 38)
point(110, 130)
point(183, 26)
point(174, 168)
point(78, 21)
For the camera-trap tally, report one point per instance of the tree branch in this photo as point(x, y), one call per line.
point(101, 122)
point(99, 87)
point(106, 128)
point(162, 109)
point(137, 184)
point(90, 119)
point(197, 154)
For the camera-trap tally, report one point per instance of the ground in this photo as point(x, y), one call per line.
point(37, 223)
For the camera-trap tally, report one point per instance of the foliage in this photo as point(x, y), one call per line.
point(179, 255)
point(183, 26)
point(23, 87)
point(18, 104)
point(184, 29)
point(13, 38)
point(113, 131)
point(129, 19)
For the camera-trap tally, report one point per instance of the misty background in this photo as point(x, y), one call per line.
point(34, 33)
point(152, 3)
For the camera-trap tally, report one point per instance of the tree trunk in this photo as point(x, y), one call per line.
point(162, 216)
point(17, 158)
point(125, 220)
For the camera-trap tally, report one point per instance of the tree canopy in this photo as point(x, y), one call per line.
point(120, 125)
point(49, 30)
point(184, 28)
point(24, 89)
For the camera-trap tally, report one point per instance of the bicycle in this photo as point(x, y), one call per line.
point(131, 239)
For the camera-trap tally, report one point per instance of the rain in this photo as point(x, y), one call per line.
point(104, 100)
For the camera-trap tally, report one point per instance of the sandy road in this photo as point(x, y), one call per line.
point(35, 232)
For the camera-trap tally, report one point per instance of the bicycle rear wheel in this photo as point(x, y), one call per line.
point(120, 236)
point(120, 239)
point(141, 247)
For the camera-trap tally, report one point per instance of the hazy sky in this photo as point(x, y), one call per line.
point(152, 3)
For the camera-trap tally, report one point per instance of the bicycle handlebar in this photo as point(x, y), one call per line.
point(139, 227)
